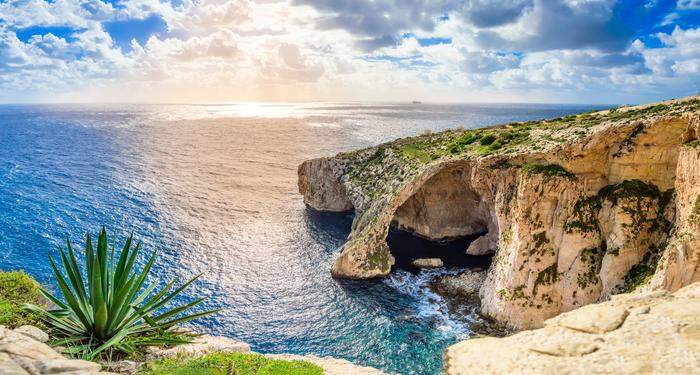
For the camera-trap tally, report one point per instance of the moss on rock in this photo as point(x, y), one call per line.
point(17, 288)
point(221, 363)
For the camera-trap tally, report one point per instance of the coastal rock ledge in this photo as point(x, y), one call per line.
point(574, 209)
point(646, 333)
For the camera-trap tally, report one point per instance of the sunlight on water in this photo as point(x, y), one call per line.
point(213, 189)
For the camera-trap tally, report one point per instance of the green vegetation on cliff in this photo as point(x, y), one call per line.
point(17, 288)
point(378, 178)
point(373, 169)
point(230, 363)
point(549, 170)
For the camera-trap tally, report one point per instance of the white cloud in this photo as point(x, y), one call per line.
point(364, 49)
point(688, 4)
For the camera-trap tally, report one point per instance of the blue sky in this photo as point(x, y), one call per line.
point(584, 51)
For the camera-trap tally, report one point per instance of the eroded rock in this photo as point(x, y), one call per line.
point(594, 318)
point(661, 341)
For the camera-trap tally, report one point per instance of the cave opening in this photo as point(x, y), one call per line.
point(441, 220)
point(406, 247)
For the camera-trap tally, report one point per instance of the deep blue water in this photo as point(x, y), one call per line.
point(213, 190)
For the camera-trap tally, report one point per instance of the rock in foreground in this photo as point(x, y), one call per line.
point(22, 354)
point(656, 332)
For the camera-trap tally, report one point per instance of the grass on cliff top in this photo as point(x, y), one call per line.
point(485, 141)
point(17, 288)
point(230, 363)
point(382, 169)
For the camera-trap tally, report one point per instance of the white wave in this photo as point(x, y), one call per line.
point(430, 305)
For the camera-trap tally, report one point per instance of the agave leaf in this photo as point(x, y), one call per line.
point(113, 340)
point(117, 309)
point(177, 310)
point(172, 295)
point(187, 318)
point(53, 299)
point(102, 264)
point(89, 262)
point(76, 269)
point(68, 295)
point(75, 283)
point(121, 273)
point(155, 297)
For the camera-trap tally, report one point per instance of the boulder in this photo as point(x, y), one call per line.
point(33, 332)
point(22, 352)
point(427, 263)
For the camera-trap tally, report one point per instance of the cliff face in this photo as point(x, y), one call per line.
point(575, 209)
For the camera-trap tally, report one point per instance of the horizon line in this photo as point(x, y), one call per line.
point(279, 102)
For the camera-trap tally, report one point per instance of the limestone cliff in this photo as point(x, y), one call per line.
point(648, 333)
point(575, 208)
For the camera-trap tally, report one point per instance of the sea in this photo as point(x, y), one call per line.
point(213, 190)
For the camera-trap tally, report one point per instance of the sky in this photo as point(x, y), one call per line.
point(212, 51)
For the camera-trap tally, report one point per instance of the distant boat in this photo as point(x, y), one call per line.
point(416, 102)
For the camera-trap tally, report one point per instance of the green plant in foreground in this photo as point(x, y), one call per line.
point(230, 363)
point(110, 306)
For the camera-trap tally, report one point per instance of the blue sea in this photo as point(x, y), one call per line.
point(213, 189)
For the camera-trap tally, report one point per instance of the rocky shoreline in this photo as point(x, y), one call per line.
point(575, 209)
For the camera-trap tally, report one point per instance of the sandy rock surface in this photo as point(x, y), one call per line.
point(650, 333)
point(23, 352)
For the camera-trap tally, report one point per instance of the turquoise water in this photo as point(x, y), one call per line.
point(213, 189)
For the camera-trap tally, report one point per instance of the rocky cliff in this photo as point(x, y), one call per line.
point(575, 209)
point(641, 333)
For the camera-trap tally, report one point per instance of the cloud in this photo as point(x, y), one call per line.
point(221, 44)
point(77, 14)
point(488, 62)
point(290, 65)
point(360, 49)
point(379, 23)
point(560, 24)
point(490, 13)
point(206, 15)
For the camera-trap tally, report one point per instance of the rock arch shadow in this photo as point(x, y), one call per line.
point(441, 220)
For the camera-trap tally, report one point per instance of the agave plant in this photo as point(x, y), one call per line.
point(110, 306)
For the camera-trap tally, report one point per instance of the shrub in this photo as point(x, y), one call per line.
point(230, 363)
point(462, 142)
point(487, 139)
point(17, 288)
point(550, 170)
point(110, 305)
